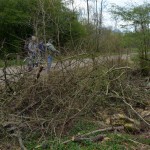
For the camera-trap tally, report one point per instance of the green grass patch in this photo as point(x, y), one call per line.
point(83, 126)
point(12, 62)
point(115, 142)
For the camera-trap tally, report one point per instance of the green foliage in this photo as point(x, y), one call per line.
point(22, 18)
point(83, 126)
point(13, 24)
point(139, 18)
point(112, 42)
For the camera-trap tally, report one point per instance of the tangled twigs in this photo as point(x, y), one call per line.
point(18, 135)
point(136, 142)
point(14, 131)
point(39, 72)
point(73, 92)
point(124, 100)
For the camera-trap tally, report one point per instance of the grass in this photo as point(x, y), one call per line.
point(114, 141)
point(82, 127)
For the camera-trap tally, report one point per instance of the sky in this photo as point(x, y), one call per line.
point(107, 19)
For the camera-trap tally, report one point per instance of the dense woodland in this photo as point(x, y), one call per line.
point(49, 19)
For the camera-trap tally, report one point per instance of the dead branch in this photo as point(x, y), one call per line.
point(18, 135)
point(80, 139)
point(73, 89)
point(136, 142)
point(100, 137)
point(103, 130)
point(124, 100)
point(39, 72)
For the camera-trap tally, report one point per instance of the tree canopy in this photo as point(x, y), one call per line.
point(19, 19)
point(139, 18)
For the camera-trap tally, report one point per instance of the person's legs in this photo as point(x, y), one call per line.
point(30, 61)
point(35, 59)
point(49, 63)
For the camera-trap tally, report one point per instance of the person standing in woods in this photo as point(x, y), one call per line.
point(38, 51)
point(33, 50)
point(51, 50)
point(31, 46)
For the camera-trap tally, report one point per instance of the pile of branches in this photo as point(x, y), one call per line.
point(73, 89)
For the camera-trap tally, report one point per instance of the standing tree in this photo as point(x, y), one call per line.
point(102, 6)
point(88, 11)
point(138, 17)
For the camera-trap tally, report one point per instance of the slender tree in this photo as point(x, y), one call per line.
point(88, 11)
point(138, 17)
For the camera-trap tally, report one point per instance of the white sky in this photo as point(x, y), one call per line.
point(107, 21)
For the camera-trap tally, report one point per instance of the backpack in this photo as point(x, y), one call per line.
point(26, 45)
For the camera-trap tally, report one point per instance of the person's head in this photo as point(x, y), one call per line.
point(50, 41)
point(34, 38)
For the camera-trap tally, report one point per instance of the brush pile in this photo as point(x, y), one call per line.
point(74, 90)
